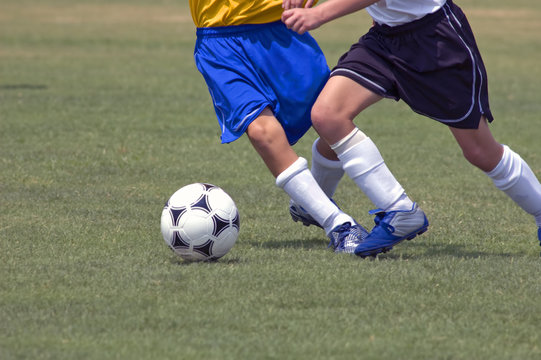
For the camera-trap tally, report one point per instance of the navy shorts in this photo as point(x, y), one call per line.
point(250, 67)
point(433, 64)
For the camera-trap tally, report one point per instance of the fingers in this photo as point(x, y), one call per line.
point(290, 4)
point(293, 21)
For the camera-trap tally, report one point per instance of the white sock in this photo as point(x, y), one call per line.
point(327, 173)
point(515, 178)
point(298, 182)
point(364, 164)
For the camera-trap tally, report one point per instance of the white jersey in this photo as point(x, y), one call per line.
point(398, 12)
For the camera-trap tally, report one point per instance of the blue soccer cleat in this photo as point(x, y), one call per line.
point(391, 228)
point(299, 214)
point(346, 238)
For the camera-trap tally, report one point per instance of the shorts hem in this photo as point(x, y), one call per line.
point(233, 135)
point(363, 81)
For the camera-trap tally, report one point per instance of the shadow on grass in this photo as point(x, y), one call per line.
point(176, 260)
point(421, 250)
point(22, 87)
point(306, 244)
point(426, 250)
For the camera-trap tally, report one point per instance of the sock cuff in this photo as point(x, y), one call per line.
point(350, 140)
point(356, 165)
point(501, 167)
point(346, 138)
point(320, 159)
point(298, 166)
point(508, 171)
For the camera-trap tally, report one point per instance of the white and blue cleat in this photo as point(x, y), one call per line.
point(391, 228)
point(346, 238)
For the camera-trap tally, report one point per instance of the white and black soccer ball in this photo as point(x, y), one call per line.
point(200, 222)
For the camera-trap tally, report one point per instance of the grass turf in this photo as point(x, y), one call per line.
point(103, 116)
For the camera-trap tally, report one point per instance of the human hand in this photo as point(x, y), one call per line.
point(291, 4)
point(301, 20)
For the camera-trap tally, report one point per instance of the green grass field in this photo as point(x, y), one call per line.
point(103, 115)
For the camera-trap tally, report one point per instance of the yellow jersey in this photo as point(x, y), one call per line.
point(211, 13)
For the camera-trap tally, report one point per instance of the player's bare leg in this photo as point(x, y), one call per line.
point(269, 140)
point(479, 146)
point(340, 101)
point(508, 171)
point(397, 217)
point(291, 172)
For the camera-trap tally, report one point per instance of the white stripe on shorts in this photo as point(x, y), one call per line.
point(448, 13)
point(361, 77)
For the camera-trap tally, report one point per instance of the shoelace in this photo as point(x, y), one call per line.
point(380, 214)
point(343, 231)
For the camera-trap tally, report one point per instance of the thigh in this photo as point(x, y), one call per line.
point(340, 101)
point(347, 96)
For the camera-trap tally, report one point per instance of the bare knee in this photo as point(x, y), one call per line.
point(320, 115)
point(330, 123)
point(260, 135)
point(474, 155)
point(269, 140)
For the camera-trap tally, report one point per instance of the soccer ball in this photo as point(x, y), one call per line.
point(200, 222)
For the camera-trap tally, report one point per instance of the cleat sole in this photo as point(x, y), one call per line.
point(298, 218)
point(305, 223)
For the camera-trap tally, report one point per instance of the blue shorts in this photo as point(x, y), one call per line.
point(250, 67)
point(433, 64)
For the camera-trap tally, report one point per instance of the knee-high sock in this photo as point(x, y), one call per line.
point(364, 164)
point(298, 182)
point(514, 177)
point(327, 173)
